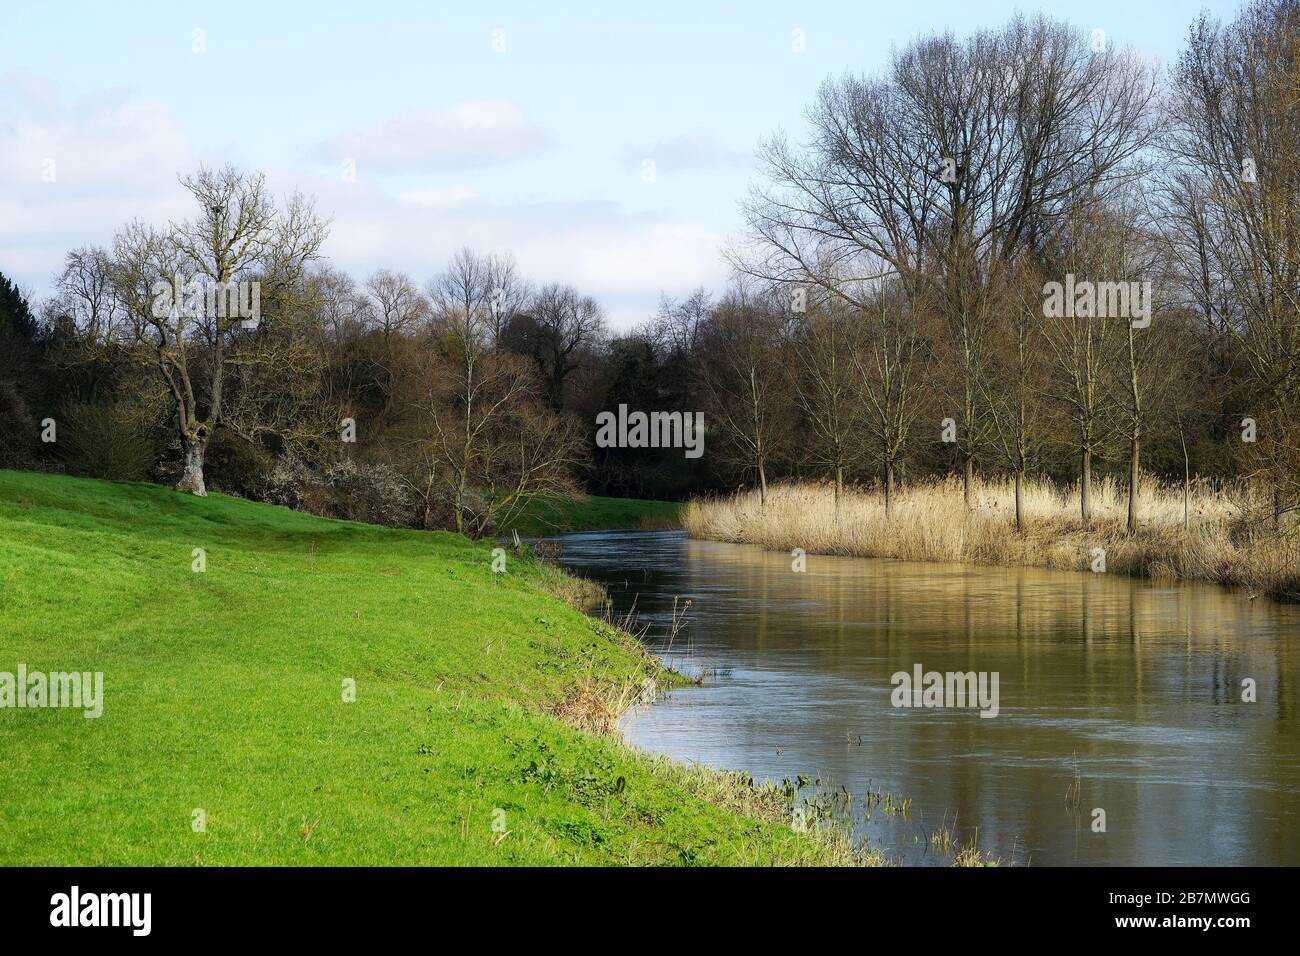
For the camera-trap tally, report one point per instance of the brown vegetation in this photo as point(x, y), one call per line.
point(931, 522)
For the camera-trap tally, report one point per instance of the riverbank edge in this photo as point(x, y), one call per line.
point(1163, 555)
point(554, 516)
point(600, 712)
point(44, 515)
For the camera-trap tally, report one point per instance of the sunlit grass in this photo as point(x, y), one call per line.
point(223, 694)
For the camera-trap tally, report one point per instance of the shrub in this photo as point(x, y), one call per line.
point(235, 466)
point(17, 428)
point(285, 484)
point(374, 493)
point(355, 491)
point(103, 440)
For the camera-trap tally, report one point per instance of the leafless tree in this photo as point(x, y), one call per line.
point(826, 342)
point(479, 441)
point(958, 156)
point(743, 378)
point(396, 305)
point(678, 322)
point(84, 295)
point(508, 292)
point(239, 235)
point(1014, 389)
point(1085, 347)
point(1233, 151)
point(561, 332)
point(890, 379)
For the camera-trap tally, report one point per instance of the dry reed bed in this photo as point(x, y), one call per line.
point(1229, 540)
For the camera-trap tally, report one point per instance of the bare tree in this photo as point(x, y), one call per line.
point(562, 333)
point(960, 155)
point(1084, 347)
point(1014, 389)
point(479, 440)
point(89, 326)
point(342, 315)
point(508, 293)
point(1234, 152)
point(889, 380)
point(678, 322)
point(743, 379)
point(397, 307)
point(462, 300)
point(826, 342)
point(85, 295)
point(239, 236)
point(395, 310)
point(1131, 259)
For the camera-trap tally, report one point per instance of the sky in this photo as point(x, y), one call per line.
point(605, 145)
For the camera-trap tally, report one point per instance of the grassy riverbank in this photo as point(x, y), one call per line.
point(224, 700)
point(594, 513)
point(1226, 541)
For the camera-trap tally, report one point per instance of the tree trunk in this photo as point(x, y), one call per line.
point(889, 490)
point(1020, 499)
point(1085, 486)
point(192, 449)
point(1187, 480)
point(968, 477)
point(1135, 451)
point(458, 508)
point(762, 483)
point(839, 492)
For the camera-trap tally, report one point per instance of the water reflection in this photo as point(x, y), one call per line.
point(1135, 686)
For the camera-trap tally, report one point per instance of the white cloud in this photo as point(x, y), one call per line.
point(625, 260)
point(693, 150)
point(467, 135)
point(626, 255)
point(117, 159)
point(73, 170)
point(448, 198)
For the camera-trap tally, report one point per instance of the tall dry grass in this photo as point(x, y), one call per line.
point(1228, 539)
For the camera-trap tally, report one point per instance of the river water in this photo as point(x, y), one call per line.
point(1114, 694)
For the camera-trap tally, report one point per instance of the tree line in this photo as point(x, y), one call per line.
point(1020, 252)
point(1026, 251)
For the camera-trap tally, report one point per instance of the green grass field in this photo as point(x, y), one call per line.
point(594, 513)
point(223, 692)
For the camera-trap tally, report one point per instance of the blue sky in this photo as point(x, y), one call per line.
point(520, 126)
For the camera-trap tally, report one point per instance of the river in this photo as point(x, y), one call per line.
point(1115, 695)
